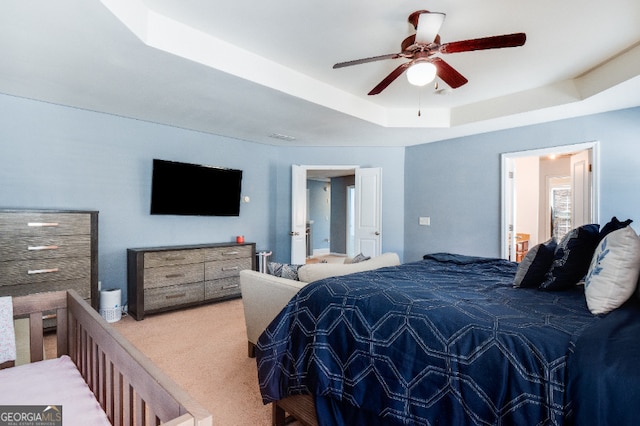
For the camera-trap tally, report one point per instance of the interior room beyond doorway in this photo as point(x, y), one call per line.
point(329, 214)
point(546, 193)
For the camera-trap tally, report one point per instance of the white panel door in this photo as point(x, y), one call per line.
point(509, 194)
point(368, 212)
point(581, 188)
point(298, 215)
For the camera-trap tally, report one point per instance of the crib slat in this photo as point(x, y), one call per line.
point(101, 384)
point(127, 399)
point(35, 336)
point(118, 400)
point(139, 411)
point(109, 389)
point(61, 332)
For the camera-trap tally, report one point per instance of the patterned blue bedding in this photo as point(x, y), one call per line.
point(443, 341)
point(603, 371)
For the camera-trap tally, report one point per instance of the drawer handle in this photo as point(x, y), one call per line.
point(175, 296)
point(227, 287)
point(174, 258)
point(42, 224)
point(37, 248)
point(174, 276)
point(42, 271)
point(230, 268)
point(230, 253)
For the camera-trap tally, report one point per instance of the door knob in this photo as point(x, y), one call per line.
point(377, 233)
point(293, 233)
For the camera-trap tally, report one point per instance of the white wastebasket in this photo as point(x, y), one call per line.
point(111, 304)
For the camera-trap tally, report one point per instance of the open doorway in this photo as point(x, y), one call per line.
point(365, 211)
point(328, 214)
point(546, 193)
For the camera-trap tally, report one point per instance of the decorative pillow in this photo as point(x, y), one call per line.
point(360, 258)
point(613, 273)
point(612, 225)
point(572, 258)
point(533, 268)
point(284, 270)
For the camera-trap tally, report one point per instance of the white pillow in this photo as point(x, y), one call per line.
point(614, 270)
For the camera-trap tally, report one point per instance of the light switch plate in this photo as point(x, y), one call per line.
point(425, 220)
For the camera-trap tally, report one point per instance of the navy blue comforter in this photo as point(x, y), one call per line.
point(443, 341)
point(604, 371)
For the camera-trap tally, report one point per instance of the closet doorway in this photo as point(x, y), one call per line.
point(547, 192)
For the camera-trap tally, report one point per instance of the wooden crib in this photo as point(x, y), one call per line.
point(128, 386)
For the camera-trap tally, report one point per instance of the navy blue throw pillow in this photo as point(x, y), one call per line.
point(613, 225)
point(572, 258)
point(533, 268)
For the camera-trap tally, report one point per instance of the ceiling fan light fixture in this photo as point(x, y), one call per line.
point(421, 73)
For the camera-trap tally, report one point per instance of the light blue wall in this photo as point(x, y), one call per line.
point(457, 182)
point(58, 157)
point(339, 213)
point(319, 213)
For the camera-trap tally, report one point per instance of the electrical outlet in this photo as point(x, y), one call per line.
point(424, 220)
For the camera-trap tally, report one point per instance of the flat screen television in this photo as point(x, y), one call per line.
point(194, 190)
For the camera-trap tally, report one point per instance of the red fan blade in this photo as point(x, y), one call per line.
point(390, 78)
point(495, 42)
point(365, 60)
point(448, 74)
point(415, 17)
point(408, 42)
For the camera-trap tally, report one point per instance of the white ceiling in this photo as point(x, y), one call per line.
point(251, 69)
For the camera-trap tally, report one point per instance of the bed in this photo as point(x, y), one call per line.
point(124, 387)
point(447, 340)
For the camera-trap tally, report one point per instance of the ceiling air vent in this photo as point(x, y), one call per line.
point(282, 137)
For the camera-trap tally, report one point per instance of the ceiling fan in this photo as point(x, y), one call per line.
point(421, 47)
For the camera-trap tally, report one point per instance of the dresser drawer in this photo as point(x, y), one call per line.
point(28, 271)
point(226, 268)
point(38, 224)
point(224, 287)
point(164, 297)
point(80, 285)
point(172, 257)
point(44, 247)
point(171, 275)
point(223, 253)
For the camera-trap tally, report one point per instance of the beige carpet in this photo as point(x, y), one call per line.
point(204, 349)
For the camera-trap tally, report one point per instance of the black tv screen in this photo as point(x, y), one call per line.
point(194, 190)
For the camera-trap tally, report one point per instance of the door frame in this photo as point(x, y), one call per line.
point(507, 201)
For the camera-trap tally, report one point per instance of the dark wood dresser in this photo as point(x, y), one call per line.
point(49, 250)
point(171, 277)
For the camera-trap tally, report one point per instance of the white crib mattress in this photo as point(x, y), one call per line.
point(52, 382)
